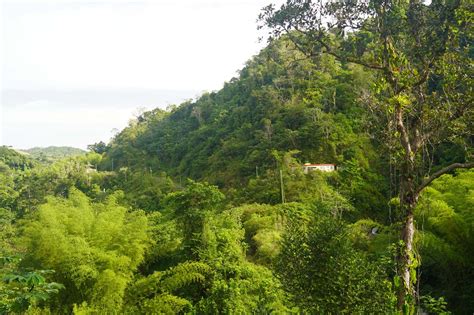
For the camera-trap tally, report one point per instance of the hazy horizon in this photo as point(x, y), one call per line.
point(76, 117)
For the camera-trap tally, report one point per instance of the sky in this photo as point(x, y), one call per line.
point(73, 72)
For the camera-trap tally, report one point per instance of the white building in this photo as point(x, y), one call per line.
point(307, 167)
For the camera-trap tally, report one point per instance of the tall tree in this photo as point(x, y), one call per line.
point(192, 207)
point(323, 272)
point(420, 53)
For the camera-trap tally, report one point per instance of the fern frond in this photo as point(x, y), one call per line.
point(184, 274)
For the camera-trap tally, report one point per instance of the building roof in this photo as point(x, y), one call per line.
point(309, 164)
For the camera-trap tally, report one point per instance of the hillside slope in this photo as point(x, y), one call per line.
point(14, 159)
point(282, 104)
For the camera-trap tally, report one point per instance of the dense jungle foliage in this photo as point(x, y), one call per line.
point(205, 208)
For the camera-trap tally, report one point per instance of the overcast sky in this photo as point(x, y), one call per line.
point(74, 70)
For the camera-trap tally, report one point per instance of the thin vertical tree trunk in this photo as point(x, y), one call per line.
point(405, 260)
point(408, 200)
point(406, 291)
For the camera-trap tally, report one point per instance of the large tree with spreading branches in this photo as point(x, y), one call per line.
point(420, 54)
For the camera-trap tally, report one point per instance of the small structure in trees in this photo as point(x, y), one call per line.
point(90, 169)
point(308, 167)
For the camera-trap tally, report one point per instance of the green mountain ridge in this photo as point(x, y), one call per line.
point(276, 105)
point(282, 107)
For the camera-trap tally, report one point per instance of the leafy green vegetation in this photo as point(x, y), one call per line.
point(206, 208)
point(51, 154)
point(446, 243)
point(13, 159)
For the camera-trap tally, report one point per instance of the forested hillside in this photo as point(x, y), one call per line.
point(51, 154)
point(282, 111)
point(208, 207)
point(279, 103)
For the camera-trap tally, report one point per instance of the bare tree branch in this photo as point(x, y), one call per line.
point(330, 51)
point(443, 171)
point(349, 59)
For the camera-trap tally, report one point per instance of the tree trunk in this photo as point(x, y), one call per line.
point(408, 199)
point(406, 260)
point(406, 290)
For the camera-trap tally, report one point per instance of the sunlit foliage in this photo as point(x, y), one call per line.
point(93, 248)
